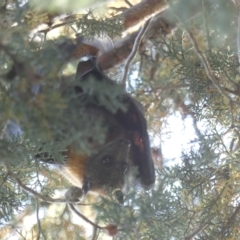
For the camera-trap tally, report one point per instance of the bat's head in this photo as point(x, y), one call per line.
point(106, 170)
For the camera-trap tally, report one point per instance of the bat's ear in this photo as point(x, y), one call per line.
point(91, 69)
point(89, 63)
point(85, 67)
point(86, 185)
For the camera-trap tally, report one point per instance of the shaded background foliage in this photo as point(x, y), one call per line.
point(196, 195)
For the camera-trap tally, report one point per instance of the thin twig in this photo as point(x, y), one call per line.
point(36, 194)
point(134, 51)
point(194, 233)
point(230, 221)
point(84, 218)
point(128, 3)
point(40, 231)
point(75, 31)
point(95, 233)
point(206, 65)
point(232, 115)
point(44, 40)
point(4, 180)
point(199, 229)
point(24, 238)
point(46, 30)
point(206, 24)
point(238, 33)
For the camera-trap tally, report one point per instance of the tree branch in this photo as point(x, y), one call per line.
point(161, 25)
point(36, 194)
point(194, 233)
point(131, 16)
point(40, 230)
point(230, 221)
point(84, 218)
point(138, 12)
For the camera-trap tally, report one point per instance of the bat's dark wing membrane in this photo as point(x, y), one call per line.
point(132, 120)
point(135, 123)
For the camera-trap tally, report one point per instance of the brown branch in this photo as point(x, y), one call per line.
point(75, 48)
point(46, 30)
point(131, 16)
point(234, 92)
point(161, 25)
point(138, 12)
point(135, 14)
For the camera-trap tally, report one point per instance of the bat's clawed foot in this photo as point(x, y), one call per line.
point(118, 196)
point(74, 195)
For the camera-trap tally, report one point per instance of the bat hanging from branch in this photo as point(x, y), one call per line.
point(126, 146)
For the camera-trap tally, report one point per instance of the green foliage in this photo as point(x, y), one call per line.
point(195, 198)
point(33, 97)
point(93, 25)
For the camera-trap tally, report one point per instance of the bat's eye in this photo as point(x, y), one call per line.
point(106, 160)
